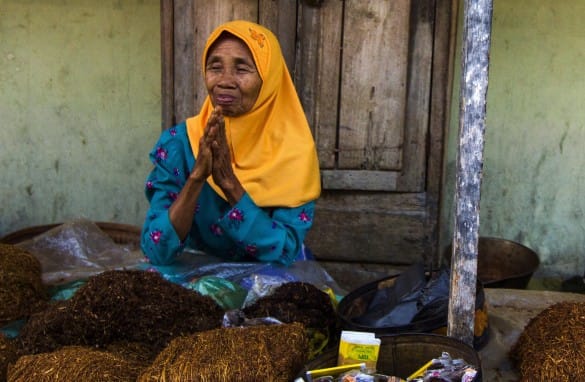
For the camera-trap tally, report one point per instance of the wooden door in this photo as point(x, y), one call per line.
point(373, 77)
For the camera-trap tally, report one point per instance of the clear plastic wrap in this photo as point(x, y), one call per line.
point(258, 278)
point(78, 249)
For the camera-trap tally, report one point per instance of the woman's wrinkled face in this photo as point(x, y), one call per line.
point(231, 77)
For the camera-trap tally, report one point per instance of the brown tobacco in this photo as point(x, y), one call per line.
point(551, 347)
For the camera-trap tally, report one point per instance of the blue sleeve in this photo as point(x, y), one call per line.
point(268, 235)
point(172, 163)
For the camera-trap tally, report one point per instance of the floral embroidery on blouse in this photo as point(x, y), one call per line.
point(149, 185)
point(235, 218)
point(251, 250)
point(216, 230)
point(173, 131)
point(236, 215)
point(304, 217)
point(176, 172)
point(161, 154)
point(173, 195)
point(155, 236)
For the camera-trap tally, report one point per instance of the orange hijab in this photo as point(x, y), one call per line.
point(273, 151)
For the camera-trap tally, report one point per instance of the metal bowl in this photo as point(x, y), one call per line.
point(503, 263)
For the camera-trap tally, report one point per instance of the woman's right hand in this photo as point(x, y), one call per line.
point(204, 163)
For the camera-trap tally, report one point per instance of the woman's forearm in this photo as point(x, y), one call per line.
point(183, 208)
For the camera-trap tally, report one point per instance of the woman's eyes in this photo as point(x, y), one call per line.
point(239, 68)
point(243, 68)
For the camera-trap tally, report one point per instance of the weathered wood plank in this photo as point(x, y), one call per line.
point(374, 228)
point(359, 236)
point(445, 33)
point(167, 64)
point(184, 79)
point(390, 203)
point(373, 94)
point(359, 180)
point(317, 73)
point(474, 82)
point(416, 127)
point(280, 16)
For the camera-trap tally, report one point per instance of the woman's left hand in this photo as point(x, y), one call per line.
point(222, 171)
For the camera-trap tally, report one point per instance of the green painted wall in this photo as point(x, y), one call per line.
point(79, 109)
point(533, 178)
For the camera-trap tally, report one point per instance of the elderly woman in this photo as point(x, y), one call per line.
point(239, 180)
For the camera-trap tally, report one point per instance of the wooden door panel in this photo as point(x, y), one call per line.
point(373, 84)
point(317, 74)
point(280, 16)
point(362, 77)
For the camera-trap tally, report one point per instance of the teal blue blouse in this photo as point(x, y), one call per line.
point(242, 232)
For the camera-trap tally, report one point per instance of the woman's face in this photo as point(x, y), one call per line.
point(231, 77)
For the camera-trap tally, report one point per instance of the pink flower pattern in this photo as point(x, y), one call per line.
point(251, 250)
point(155, 236)
point(216, 230)
point(161, 154)
point(304, 217)
point(236, 215)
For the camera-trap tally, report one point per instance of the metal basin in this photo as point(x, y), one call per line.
point(503, 263)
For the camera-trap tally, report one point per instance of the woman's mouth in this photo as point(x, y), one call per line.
point(224, 99)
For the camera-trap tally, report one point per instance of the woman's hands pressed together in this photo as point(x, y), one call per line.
point(214, 152)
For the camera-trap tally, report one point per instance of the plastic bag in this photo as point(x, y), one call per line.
point(237, 318)
point(396, 305)
point(191, 265)
point(410, 299)
point(226, 294)
point(78, 249)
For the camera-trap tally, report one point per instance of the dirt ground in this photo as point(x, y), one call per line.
point(509, 311)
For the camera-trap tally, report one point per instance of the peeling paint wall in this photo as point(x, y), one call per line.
point(533, 177)
point(79, 109)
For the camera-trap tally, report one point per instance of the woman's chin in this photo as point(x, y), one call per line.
point(228, 111)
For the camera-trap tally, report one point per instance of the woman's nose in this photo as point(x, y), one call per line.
point(227, 79)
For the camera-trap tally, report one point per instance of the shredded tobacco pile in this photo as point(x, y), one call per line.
point(7, 355)
point(296, 302)
point(303, 303)
point(75, 363)
point(551, 346)
point(273, 353)
point(21, 287)
point(138, 352)
point(127, 306)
